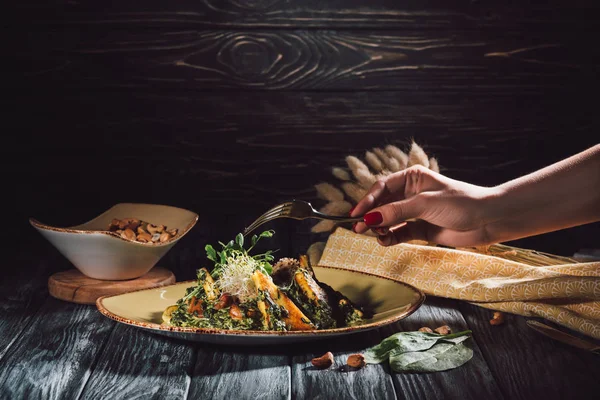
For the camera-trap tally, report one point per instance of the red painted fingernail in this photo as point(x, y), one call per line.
point(352, 209)
point(373, 218)
point(354, 227)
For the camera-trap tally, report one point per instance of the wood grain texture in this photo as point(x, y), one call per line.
point(472, 380)
point(408, 60)
point(258, 138)
point(339, 381)
point(139, 365)
point(229, 157)
point(505, 347)
point(53, 359)
point(22, 293)
point(241, 373)
point(311, 13)
point(75, 287)
point(226, 107)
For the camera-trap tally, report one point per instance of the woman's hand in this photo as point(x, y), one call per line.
point(419, 204)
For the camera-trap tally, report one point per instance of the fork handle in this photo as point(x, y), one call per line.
point(320, 215)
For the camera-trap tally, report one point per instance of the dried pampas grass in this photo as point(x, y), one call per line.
point(391, 164)
point(353, 182)
point(340, 173)
point(374, 161)
point(417, 156)
point(398, 155)
point(433, 164)
point(354, 191)
point(329, 192)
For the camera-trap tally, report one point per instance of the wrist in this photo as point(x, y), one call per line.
point(495, 211)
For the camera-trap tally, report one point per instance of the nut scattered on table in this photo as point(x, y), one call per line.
point(426, 329)
point(141, 231)
point(356, 361)
point(497, 319)
point(323, 362)
point(443, 330)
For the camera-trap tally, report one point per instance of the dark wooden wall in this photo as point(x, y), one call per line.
point(227, 107)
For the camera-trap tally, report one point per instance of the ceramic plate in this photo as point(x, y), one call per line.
point(390, 301)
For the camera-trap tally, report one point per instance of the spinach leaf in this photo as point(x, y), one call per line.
point(441, 357)
point(403, 342)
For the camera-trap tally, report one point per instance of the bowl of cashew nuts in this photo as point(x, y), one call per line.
point(124, 242)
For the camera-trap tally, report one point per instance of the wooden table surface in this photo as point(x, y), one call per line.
point(51, 349)
point(226, 107)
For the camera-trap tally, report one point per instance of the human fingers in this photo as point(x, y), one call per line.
point(398, 186)
point(380, 230)
point(412, 230)
point(388, 215)
point(421, 230)
point(387, 187)
point(396, 212)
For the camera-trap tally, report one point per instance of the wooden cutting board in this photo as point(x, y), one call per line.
point(74, 287)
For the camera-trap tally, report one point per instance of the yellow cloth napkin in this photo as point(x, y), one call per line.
point(567, 294)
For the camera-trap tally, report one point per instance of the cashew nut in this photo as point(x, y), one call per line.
point(172, 232)
point(142, 231)
point(151, 228)
point(144, 237)
point(128, 234)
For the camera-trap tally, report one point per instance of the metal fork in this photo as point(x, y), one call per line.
point(295, 209)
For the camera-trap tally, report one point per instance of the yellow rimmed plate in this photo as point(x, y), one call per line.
point(389, 300)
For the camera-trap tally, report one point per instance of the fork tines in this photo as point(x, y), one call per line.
point(273, 213)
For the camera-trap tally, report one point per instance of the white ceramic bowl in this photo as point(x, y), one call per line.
point(102, 254)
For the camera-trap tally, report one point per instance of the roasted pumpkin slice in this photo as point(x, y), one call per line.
point(312, 299)
point(208, 284)
point(309, 286)
point(166, 316)
point(266, 318)
point(282, 307)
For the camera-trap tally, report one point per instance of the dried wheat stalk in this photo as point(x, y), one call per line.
point(360, 174)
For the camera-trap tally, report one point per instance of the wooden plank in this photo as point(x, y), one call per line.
point(503, 61)
point(138, 364)
point(286, 134)
point(339, 381)
point(54, 357)
point(525, 363)
point(471, 380)
point(229, 157)
point(22, 293)
point(225, 372)
point(310, 13)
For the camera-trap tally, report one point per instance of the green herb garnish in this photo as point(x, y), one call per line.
point(235, 250)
